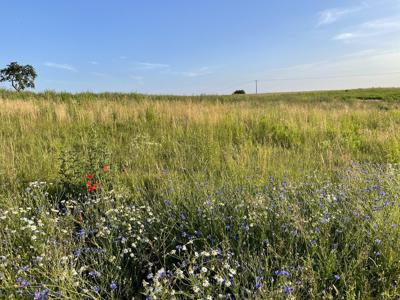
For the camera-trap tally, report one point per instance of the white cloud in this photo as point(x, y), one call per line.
point(333, 15)
point(150, 66)
point(93, 62)
point(346, 36)
point(60, 66)
point(387, 24)
point(372, 28)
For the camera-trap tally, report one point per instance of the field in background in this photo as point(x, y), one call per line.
point(267, 196)
point(213, 137)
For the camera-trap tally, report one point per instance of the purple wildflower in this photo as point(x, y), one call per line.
point(22, 282)
point(287, 289)
point(282, 273)
point(259, 280)
point(113, 285)
point(42, 295)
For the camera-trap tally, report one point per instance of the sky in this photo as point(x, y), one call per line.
point(192, 47)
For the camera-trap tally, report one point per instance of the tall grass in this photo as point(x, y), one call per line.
point(233, 197)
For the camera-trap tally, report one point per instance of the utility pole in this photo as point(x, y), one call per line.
point(256, 87)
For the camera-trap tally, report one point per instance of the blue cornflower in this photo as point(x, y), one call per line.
point(24, 268)
point(287, 289)
point(22, 282)
point(178, 247)
point(42, 295)
point(80, 233)
point(168, 202)
point(95, 289)
point(259, 280)
point(227, 227)
point(113, 285)
point(337, 277)
point(93, 274)
point(378, 241)
point(282, 273)
point(377, 253)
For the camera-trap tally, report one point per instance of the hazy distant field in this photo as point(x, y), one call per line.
point(262, 196)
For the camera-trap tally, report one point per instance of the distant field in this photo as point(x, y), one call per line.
point(259, 176)
point(208, 136)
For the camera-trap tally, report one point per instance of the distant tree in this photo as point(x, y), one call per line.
point(239, 92)
point(20, 77)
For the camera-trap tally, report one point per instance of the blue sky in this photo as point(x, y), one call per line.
point(209, 46)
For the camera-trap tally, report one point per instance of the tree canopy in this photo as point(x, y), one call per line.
point(20, 76)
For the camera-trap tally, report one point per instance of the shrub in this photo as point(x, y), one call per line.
point(239, 92)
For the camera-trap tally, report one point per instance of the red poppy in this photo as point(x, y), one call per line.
point(93, 187)
point(89, 184)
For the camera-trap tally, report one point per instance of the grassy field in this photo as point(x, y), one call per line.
point(270, 196)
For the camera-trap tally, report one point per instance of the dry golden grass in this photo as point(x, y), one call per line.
point(257, 137)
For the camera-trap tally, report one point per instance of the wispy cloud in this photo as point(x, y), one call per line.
point(93, 62)
point(388, 24)
point(60, 66)
point(346, 36)
point(200, 72)
point(150, 66)
point(330, 16)
point(371, 28)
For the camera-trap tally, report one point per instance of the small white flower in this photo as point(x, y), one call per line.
point(179, 273)
point(206, 283)
point(219, 279)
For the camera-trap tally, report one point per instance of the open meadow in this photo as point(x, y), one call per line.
point(270, 196)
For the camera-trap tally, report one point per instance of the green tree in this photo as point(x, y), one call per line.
point(20, 77)
point(239, 92)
